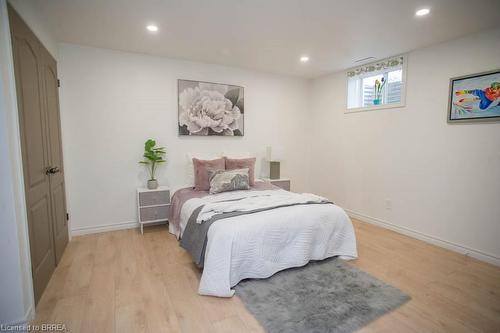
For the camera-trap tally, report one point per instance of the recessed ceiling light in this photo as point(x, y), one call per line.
point(152, 28)
point(422, 12)
point(304, 59)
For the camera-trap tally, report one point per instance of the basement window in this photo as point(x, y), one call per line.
point(378, 85)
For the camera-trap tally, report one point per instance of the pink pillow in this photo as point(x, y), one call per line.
point(201, 167)
point(242, 163)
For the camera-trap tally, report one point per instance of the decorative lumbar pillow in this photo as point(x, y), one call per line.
point(201, 167)
point(241, 163)
point(229, 180)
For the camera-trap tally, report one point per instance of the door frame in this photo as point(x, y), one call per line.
point(13, 135)
point(44, 189)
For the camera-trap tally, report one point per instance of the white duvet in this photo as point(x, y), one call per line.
point(260, 244)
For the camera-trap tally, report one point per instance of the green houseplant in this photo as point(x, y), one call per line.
point(152, 157)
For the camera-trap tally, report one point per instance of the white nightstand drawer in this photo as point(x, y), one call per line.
point(282, 183)
point(154, 198)
point(154, 213)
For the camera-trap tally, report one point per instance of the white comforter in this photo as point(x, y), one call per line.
point(260, 244)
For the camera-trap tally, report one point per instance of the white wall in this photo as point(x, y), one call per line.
point(443, 180)
point(112, 101)
point(16, 291)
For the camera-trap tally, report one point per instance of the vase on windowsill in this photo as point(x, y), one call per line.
point(378, 89)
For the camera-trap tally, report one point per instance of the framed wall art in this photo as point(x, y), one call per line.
point(210, 109)
point(475, 97)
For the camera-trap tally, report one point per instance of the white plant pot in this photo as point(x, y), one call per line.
point(152, 184)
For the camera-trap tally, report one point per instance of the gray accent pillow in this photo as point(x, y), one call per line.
point(228, 180)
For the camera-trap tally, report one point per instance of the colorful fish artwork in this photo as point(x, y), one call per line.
point(475, 97)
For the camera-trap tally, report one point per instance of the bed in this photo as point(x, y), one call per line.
point(256, 233)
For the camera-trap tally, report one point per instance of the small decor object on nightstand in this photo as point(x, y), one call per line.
point(153, 156)
point(153, 206)
point(274, 156)
point(282, 183)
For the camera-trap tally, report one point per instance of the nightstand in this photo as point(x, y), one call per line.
point(283, 183)
point(153, 206)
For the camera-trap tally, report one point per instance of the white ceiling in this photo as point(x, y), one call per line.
point(267, 35)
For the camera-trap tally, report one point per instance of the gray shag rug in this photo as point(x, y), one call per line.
point(323, 296)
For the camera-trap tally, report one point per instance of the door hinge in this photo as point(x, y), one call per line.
point(58, 83)
point(67, 216)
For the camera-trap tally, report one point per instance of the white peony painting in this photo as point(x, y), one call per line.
point(210, 109)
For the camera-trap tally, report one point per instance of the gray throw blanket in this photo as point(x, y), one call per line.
point(194, 238)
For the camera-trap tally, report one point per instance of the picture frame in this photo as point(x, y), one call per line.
point(474, 98)
point(210, 109)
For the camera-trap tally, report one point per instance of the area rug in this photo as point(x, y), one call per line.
point(323, 296)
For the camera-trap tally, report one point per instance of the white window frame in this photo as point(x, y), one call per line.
point(401, 104)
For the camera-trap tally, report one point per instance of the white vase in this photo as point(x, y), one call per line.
point(152, 184)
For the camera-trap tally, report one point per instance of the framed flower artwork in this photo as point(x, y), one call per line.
point(210, 109)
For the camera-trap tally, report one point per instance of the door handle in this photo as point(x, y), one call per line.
point(52, 170)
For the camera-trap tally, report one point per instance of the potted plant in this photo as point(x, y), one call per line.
point(379, 86)
point(152, 157)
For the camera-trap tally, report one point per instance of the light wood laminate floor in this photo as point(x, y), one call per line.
point(124, 282)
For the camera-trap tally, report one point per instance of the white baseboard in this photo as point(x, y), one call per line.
point(477, 254)
point(104, 227)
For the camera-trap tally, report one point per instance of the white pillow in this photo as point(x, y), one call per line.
point(200, 156)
